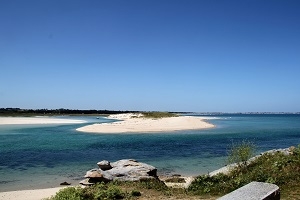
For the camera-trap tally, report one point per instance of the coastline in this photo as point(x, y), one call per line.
point(276, 125)
point(38, 194)
point(37, 120)
point(135, 123)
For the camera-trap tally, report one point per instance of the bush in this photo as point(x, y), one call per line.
point(215, 185)
point(152, 184)
point(69, 193)
point(240, 153)
point(111, 192)
point(96, 192)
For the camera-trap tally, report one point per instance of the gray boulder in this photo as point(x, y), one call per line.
point(122, 170)
point(132, 170)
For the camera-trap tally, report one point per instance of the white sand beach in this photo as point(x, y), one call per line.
point(37, 120)
point(37, 194)
point(134, 123)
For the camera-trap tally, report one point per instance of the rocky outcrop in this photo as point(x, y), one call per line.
point(122, 170)
point(228, 168)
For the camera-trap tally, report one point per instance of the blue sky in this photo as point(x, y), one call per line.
point(167, 55)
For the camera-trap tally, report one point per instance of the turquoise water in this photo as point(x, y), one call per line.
point(40, 156)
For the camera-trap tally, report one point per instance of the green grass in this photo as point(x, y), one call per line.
point(158, 115)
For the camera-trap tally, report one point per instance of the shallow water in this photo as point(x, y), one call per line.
point(40, 156)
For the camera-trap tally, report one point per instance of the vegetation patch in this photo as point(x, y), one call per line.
point(157, 115)
point(175, 180)
point(147, 189)
point(98, 191)
point(240, 153)
point(277, 168)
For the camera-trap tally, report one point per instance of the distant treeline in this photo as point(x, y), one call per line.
point(61, 111)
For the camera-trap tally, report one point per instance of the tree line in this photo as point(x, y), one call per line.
point(61, 111)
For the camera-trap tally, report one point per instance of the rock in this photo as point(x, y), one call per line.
point(65, 183)
point(104, 165)
point(179, 182)
point(292, 149)
point(96, 175)
point(122, 170)
point(88, 181)
point(129, 170)
point(286, 151)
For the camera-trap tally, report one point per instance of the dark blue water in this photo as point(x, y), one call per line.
point(43, 156)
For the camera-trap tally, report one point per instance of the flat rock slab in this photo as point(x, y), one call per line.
point(254, 191)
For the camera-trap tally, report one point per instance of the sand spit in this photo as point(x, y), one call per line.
point(37, 194)
point(37, 120)
point(136, 123)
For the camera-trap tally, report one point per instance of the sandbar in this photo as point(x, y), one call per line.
point(135, 123)
point(37, 120)
point(37, 194)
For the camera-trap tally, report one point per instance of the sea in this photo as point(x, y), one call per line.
point(43, 156)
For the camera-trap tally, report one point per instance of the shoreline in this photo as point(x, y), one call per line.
point(136, 123)
point(38, 194)
point(34, 194)
point(37, 120)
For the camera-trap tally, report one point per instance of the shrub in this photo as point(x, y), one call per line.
point(240, 153)
point(69, 193)
point(215, 185)
point(96, 192)
point(153, 184)
point(111, 192)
